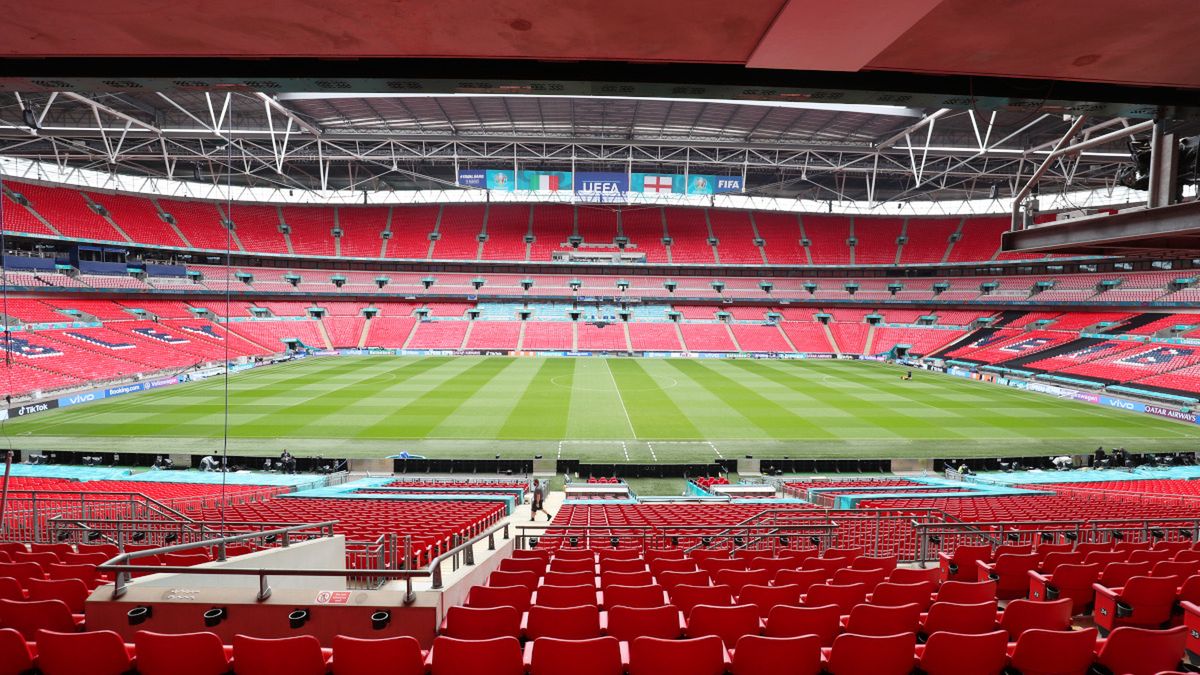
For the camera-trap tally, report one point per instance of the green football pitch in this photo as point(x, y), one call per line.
point(595, 410)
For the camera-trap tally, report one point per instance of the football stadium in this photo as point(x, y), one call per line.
point(776, 338)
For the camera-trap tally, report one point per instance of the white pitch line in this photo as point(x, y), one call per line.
point(625, 449)
point(621, 399)
point(653, 456)
point(714, 449)
point(560, 444)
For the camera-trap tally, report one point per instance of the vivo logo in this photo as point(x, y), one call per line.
point(81, 398)
point(1117, 403)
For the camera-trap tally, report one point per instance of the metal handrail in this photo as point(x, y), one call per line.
point(119, 565)
point(994, 532)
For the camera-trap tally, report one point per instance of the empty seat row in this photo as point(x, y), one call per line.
point(730, 622)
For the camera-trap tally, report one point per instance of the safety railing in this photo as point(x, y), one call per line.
point(146, 532)
point(35, 516)
point(122, 567)
point(933, 538)
point(878, 532)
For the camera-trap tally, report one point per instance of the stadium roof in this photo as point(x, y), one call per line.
point(365, 141)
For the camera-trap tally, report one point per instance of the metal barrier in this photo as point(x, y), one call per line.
point(461, 554)
point(879, 532)
point(933, 538)
point(36, 516)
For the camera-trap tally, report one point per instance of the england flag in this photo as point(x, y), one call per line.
point(657, 184)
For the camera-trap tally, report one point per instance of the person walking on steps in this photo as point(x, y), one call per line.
point(541, 488)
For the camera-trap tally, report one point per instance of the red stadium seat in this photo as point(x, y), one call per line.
point(865, 619)
point(572, 565)
point(960, 565)
point(1117, 574)
point(1052, 652)
point(71, 592)
point(726, 622)
point(634, 596)
point(353, 656)
point(565, 554)
point(297, 655)
point(607, 579)
point(848, 553)
point(738, 579)
point(565, 596)
point(575, 579)
point(621, 565)
point(911, 575)
point(767, 597)
point(804, 579)
point(517, 597)
point(653, 554)
point(180, 654)
point(869, 578)
point(974, 618)
point(22, 572)
point(30, 617)
point(1022, 615)
point(885, 563)
point(99, 652)
point(891, 593)
point(628, 623)
point(844, 597)
point(596, 656)
point(1140, 651)
point(498, 656)
point(966, 592)
point(669, 580)
point(1144, 602)
point(563, 623)
point(15, 658)
point(615, 554)
point(534, 565)
point(1068, 582)
point(1011, 574)
point(947, 653)
point(85, 573)
point(758, 655)
point(686, 597)
point(482, 623)
point(502, 578)
point(872, 655)
point(660, 566)
point(10, 589)
point(792, 621)
point(698, 656)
